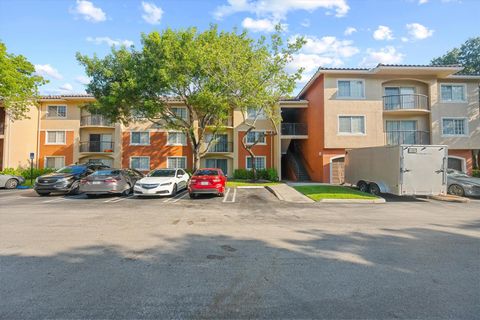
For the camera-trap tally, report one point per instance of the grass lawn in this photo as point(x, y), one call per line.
point(244, 183)
point(332, 192)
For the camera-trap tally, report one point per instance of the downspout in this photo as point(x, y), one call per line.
point(38, 136)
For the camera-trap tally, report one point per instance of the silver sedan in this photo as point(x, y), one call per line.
point(460, 184)
point(110, 181)
point(9, 181)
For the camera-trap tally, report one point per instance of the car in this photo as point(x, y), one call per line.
point(65, 180)
point(461, 184)
point(162, 182)
point(207, 181)
point(9, 181)
point(110, 181)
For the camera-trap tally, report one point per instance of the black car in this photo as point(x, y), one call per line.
point(65, 180)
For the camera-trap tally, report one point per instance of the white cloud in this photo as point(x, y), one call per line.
point(349, 31)
point(89, 12)
point(152, 13)
point(310, 63)
point(383, 33)
point(258, 25)
point(110, 42)
point(418, 31)
point(305, 23)
point(47, 70)
point(387, 55)
point(82, 79)
point(66, 87)
point(404, 39)
point(278, 9)
point(422, 1)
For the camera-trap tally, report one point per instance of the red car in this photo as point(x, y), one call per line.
point(207, 181)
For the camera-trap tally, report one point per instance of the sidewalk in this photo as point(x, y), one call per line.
point(289, 194)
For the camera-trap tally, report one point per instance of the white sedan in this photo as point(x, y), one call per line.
point(162, 182)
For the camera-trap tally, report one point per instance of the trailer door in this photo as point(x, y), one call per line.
point(423, 170)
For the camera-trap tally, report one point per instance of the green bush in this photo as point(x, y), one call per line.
point(262, 174)
point(476, 173)
point(25, 172)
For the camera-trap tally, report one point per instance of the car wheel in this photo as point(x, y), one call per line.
point(456, 190)
point(43, 194)
point(75, 188)
point(174, 190)
point(374, 189)
point(127, 191)
point(11, 184)
point(362, 186)
point(221, 194)
point(192, 195)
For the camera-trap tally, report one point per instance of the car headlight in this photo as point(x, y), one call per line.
point(166, 183)
point(36, 180)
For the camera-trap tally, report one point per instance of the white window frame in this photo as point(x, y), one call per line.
point(464, 85)
point(464, 162)
point(261, 114)
point(139, 144)
point(259, 157)
point(176, 144)
point(465, 121)
point(352, 134)
point(186, 112)
point(56, 117)
point(149, 164)
point(45, 161)
point(173, 157)
point(264, 143)
point(351, 98)
point(55, 143)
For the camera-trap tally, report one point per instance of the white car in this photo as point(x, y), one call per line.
point(162, 182)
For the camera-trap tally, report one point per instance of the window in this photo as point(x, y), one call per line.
point(453, 92)
point(177, 162)
point(259, 162)
point(55, 137)
point(180, 112)
point(351, 89)
point(177, 139)
point(454, 126)
point(140, 163)
point(252, 113)
point(54, 162)
point(57, 112)
point(254, 136)
point(351, 124)
point(140, 138)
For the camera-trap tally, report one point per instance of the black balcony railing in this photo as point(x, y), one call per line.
point(95, 120)
point(407, 137)
point(2, 128)
point(405, 102)
point(97, 146)
point(294, 129)
point(220, 146)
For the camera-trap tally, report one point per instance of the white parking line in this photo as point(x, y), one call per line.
point(55, 200)
point(179, 195)
point(115, 199)
point(226, 195)
point(234, 194)
point(121, 199)
point(182, 197)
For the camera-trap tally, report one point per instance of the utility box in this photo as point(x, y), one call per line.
point(415, 170)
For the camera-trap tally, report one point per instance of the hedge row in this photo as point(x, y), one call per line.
point(262, 174)
point(476, 173)
point(25, 172)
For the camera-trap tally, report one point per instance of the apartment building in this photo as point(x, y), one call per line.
point(385, 105)
point(61, 131)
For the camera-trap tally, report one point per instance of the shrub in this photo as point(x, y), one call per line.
point(25, 172)
point(476, 173)
point(262, 174)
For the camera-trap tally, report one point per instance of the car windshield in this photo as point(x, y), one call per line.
point(106, 172)
point(72, 169)
point(457, 173)
point(162, 173)
point(206, 173)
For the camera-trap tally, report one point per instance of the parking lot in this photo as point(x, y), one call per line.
point(247, 255)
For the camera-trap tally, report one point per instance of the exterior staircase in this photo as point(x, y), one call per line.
point(295, 160)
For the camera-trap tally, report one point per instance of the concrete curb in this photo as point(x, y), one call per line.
point(275, 193)
point(450, 198)
point(249, 187)
point(365, 201)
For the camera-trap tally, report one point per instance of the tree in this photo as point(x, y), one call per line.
point(468, 55)
point(211, 73)
point(18, 83)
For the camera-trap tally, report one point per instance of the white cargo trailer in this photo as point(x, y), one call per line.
point(418, 170)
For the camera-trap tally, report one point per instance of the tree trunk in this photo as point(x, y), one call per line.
point(196, 158)
point(254, 167)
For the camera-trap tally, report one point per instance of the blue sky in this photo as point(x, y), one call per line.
point(343, 33)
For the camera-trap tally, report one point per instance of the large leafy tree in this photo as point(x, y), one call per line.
point(468, 55)
point(211, 73)
point(18, 83)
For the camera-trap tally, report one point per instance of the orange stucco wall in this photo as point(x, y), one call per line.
point(158, 151)
point(466, 154)
point(47, 150)
point(265, 150)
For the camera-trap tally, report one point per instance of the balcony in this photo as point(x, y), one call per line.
point(95, 121)
point(294, 129)
point(97, 146)
point(406, 103)
point(228, 122)
point(407, 137)
point(2, 128)
point(220, 147)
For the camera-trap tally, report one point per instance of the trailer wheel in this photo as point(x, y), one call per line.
point(374, 189)
point(362, 186)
